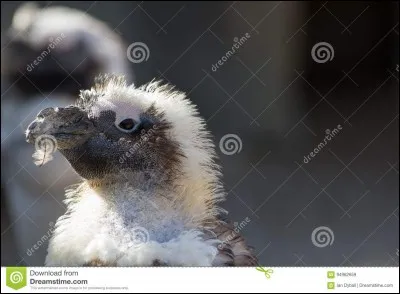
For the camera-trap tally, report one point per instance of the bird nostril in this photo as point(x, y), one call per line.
point(32, 126)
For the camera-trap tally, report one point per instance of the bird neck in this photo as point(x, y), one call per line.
point(141, 182)
point(191, 199)
point(153, 209)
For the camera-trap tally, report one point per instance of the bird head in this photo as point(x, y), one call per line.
point(59, 49)
point(150, 135)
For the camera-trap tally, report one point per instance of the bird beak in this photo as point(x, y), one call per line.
point(69, 127)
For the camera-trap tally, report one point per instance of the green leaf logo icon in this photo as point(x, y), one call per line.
point(16, 277)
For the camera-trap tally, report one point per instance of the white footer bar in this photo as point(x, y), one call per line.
point(198, 280)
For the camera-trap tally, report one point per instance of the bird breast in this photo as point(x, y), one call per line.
point(126, 230)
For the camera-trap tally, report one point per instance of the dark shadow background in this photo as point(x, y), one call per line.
point(280, 102)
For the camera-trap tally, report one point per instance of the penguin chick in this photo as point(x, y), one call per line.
point(151, 186)
point(59, 49)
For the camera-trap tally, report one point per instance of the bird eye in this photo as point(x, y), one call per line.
point(127, 124)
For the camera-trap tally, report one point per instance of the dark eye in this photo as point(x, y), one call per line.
point(127, 124)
